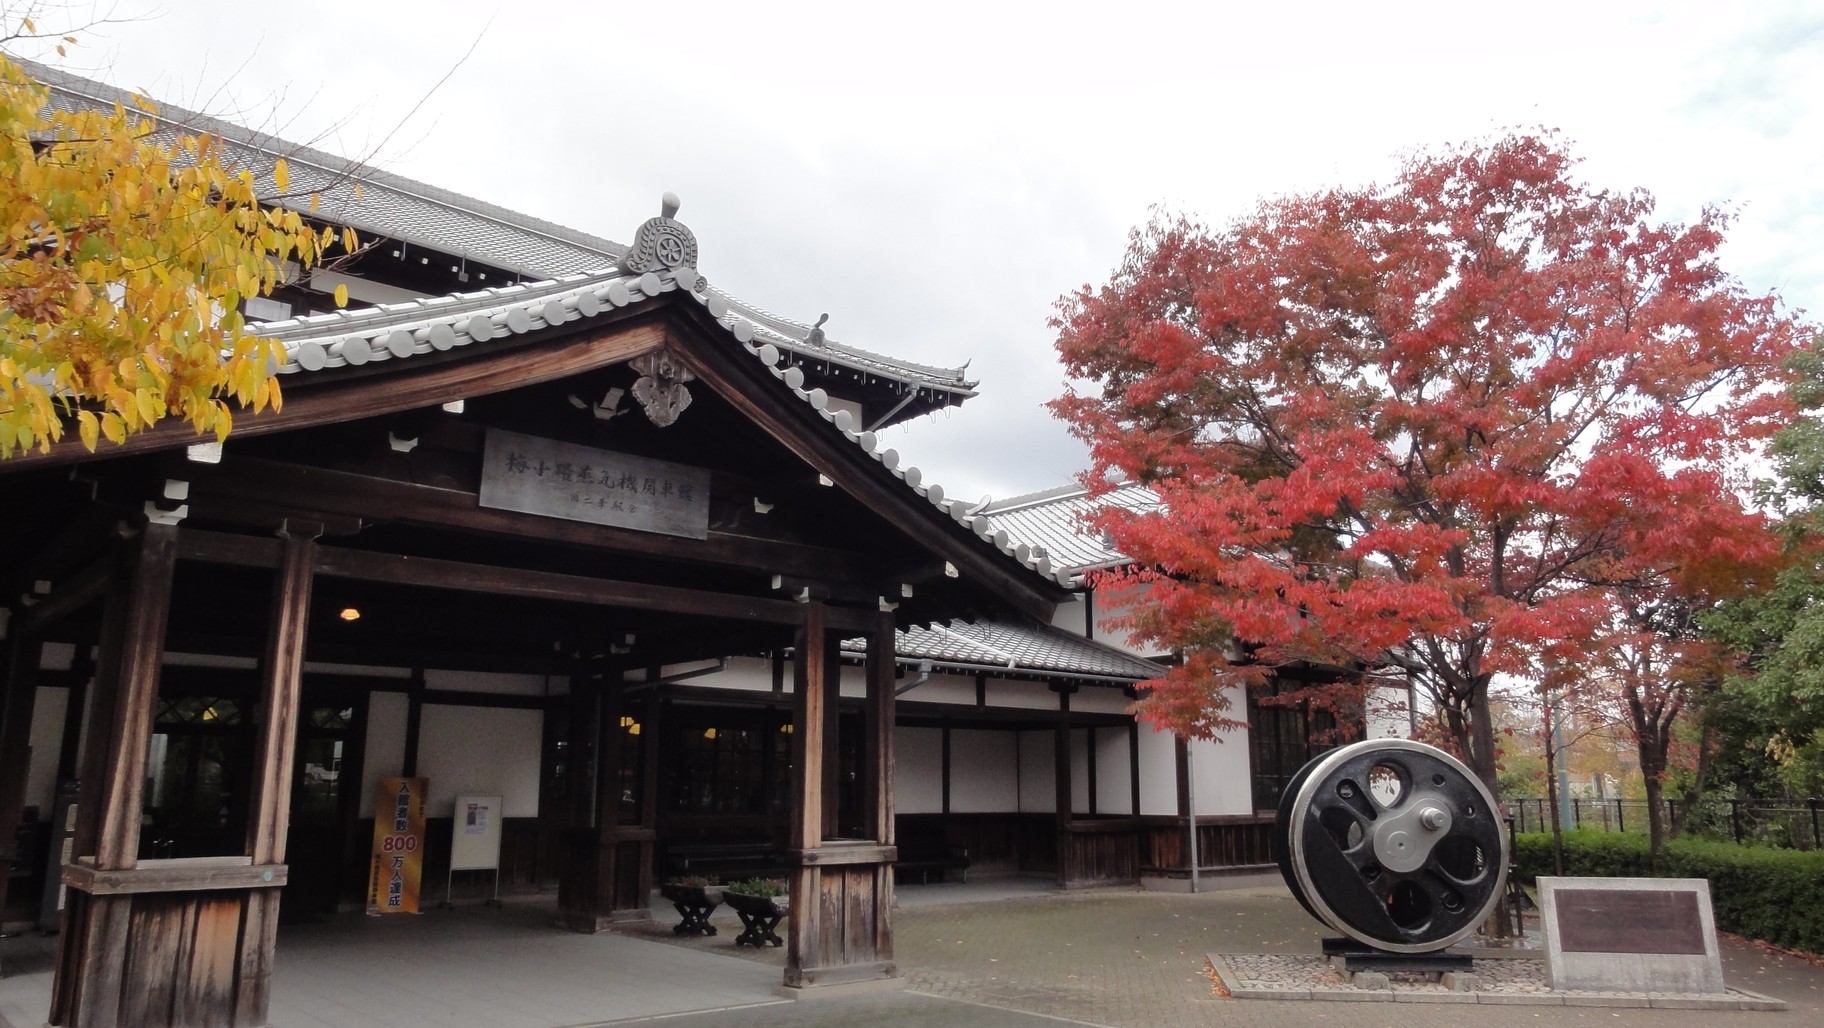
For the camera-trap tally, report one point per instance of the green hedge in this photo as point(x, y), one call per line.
point(1776, 895)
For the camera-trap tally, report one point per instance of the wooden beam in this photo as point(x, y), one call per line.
point(326, 493)
point(434, 573)
point(320, 398)
point(71, 594)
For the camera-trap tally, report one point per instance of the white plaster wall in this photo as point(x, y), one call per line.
point(48, 710)
point(1114, 776)
point(1109, 603)
point(1038, 778)
point(1389, 714)
point(486, 681)
point(1220, 770)
point(1100, 699)
point(1158, 772)
point(1002, 692)
point(918, 770)
point(1073, 616)
point(384, 753)
point(749, 674)
point(959, 689)
point(480, 751)
point(984, 772)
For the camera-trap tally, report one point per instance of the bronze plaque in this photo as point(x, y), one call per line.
point(1628, 921)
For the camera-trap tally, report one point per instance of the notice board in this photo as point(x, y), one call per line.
point(475, 839)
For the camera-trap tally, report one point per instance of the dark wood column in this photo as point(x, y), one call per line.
point(607, 874)
point(187, 941)
point(18, 694)
point(1060, 766)
point(842, 890)
point(269, 816)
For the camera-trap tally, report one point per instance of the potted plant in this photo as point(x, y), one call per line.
point(761, 903)
point(694, 896)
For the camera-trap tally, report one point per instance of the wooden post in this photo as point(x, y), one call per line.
point(92, 947)
point(808, 726)
point(842, 889)
point(18, 694)
point(269, 814)
point(1061, 779)
point(879, 753)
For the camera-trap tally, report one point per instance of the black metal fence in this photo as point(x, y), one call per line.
point(1792, 824)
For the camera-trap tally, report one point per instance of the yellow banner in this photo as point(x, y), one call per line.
point(398, 864)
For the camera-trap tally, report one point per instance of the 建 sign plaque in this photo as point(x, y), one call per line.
point(581, 483)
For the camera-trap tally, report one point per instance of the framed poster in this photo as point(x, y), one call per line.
point(475, 836)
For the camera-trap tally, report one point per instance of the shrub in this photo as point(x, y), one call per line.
point(1775, 895)
point(767, 888)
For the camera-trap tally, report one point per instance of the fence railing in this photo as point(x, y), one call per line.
point(1795, 824)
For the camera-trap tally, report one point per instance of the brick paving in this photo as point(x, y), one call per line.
point(1020, 959)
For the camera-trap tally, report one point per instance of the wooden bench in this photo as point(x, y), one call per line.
point(923, 856)
point(729, 861)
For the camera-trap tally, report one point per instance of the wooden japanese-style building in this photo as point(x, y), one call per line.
point(554, 519)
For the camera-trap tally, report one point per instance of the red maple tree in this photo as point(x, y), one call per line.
point(1415, 430)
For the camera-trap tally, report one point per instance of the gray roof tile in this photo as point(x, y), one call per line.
point(1052, 521)
point(379, 203)
point(1038, 650)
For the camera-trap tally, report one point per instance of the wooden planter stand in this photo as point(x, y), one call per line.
point(693, 903)
point(760, 917)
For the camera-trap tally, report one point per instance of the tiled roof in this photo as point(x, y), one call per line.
point(1039, 650)
point(402, 331)
point(1051, 522)
point(379, 203)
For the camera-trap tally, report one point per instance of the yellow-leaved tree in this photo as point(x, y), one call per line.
point(124, 258)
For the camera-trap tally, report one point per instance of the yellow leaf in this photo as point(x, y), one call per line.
point(281, 175)
point(90, 429)
point(342, 295)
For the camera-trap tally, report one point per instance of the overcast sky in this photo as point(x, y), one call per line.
point(935, 175)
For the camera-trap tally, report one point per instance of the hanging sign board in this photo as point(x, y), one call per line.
point(581, 483)
point(475, 839)
point(398, 860)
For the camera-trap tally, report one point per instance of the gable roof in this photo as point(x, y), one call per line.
point(379, 203)
point(1052, 522)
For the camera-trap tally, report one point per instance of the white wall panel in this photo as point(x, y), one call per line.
point(48, 708)
point(1158, 772)
point(1038, 779)
point(480, 751)
point(384, 754)
point(918, 770)
point(984, 772)
point(1114, 775)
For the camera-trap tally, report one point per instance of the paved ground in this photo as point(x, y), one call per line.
point(996, 955)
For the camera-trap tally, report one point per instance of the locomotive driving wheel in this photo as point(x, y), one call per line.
point(1393, 843)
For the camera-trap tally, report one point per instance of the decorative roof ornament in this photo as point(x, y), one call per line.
point(662, 243)
point(815, 336)
point(660, 387)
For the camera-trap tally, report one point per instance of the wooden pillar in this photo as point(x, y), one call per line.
point(832, 738)
point(1061, 766)
point(18, 695)
point(188, 941)
point(842, 890)
point(269, 814)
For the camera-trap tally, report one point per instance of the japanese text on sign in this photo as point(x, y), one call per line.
point(580, 483)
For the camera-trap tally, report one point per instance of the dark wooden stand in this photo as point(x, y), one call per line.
point(760, 916)
point(693, 904)
point(1357, 957)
